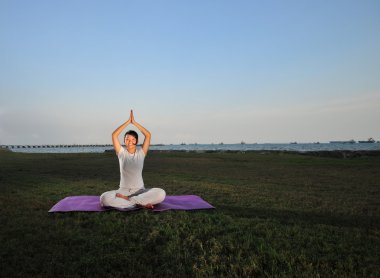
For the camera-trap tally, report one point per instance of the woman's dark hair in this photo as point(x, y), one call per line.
point(132, 133)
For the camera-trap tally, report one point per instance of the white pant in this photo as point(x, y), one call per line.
point(152, 196)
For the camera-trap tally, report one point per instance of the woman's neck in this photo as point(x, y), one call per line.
point(131, 149)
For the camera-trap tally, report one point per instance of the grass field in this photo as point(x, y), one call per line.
point(277, 215)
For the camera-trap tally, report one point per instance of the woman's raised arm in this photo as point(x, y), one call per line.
point(144, 131)
point(116, 133)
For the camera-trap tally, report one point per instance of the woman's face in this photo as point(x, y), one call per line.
point(130, 140)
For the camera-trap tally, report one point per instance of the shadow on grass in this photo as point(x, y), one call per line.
point(291, 217)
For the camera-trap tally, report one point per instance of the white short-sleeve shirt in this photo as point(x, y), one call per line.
point(131, 167)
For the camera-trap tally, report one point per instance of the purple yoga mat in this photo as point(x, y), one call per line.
point(91, 203)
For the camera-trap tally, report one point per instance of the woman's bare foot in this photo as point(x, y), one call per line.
point(149, 206)
point(122, 196)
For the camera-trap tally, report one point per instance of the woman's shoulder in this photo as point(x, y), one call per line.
point(140, 150)
point(121, 151)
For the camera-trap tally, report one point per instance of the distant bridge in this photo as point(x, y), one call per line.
point(51, 146)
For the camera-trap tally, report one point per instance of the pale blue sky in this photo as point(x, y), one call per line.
point(193, 71)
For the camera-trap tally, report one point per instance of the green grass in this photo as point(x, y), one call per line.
point(277, 215)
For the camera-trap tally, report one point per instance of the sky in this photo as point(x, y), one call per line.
point(195, 71)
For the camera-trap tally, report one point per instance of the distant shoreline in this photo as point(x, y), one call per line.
point(319, 153)
point(336, 153)
point(42, 146)
point(290, 147)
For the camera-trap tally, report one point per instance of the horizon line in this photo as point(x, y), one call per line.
point(183, 143)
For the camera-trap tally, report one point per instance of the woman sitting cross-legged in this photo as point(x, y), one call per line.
point(131, 192)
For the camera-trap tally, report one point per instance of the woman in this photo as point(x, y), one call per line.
point(131, 192)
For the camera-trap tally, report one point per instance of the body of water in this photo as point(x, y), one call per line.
point(215, 147)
